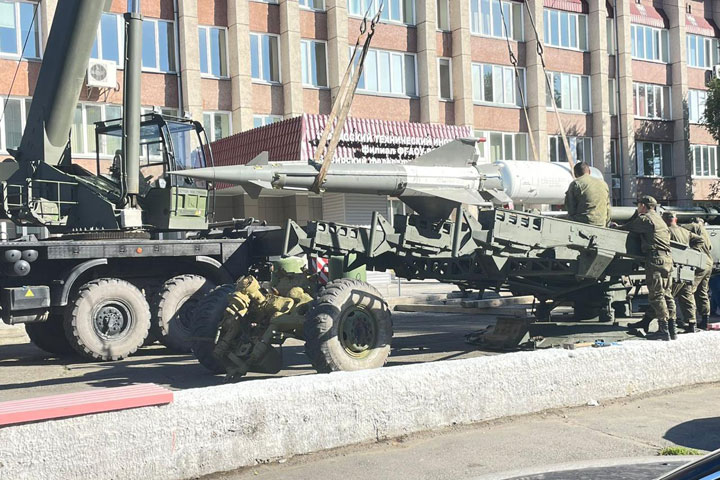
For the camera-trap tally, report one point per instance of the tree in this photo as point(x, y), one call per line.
point(711, 118)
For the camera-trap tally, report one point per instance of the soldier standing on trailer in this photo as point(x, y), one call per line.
point(702, 275)
point(655, 244)
point(587, 199)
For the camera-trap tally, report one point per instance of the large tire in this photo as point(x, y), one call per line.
point(50, 336)
point(209, 314)
point(174, 310)
point(109, 319)
point(349, 327)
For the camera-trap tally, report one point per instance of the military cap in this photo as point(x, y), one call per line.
point(668, 215)
point(648, 201)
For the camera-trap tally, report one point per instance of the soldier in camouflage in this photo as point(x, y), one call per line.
point(655, 243)
point(702, 275)
point(587, 199)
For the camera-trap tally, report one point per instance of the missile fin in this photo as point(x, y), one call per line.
point(457, 153)
point(261, 159)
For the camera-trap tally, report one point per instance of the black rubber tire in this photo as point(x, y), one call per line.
point(50, 336)
point(109, 293)
point(336, 302)
point(174, 310)
point(210, 313)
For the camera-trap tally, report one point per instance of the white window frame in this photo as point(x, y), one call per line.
point(479, 97)
point(573, 142)
point(610, 34)
point(266, 119)
point(308, 44)
point(19, 39)
point(363, 78)
point(662, 37)
point(272, 2)
point(509, 22)
point(639, 154)
point(485, 148)
point(547, 12)
point(446, 4)
point(612, 96)
point(23, 119)
point(710, 152)
point(86, 153)
point(696, 103)
point(156, 22)
point(208, 51)
point(449, 62)
point(655, 88)
point(120, 40)
point(213, 113)
point(261, 59)
point(304, 6)
point(572, 79)
point(710, 47)
point(386, 9)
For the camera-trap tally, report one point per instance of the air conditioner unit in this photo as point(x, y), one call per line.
point(102, 73)
point(716, 71)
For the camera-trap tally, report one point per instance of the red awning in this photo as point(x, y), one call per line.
point(698, 25)
point(647, 15)
point(578, 6)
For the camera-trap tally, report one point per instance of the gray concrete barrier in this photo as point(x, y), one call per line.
point(222, 428)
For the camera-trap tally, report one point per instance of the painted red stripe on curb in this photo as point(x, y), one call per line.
point(83, 403)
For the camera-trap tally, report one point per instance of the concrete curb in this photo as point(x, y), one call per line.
point(226, 427)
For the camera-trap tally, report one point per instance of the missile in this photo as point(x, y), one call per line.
point(432, 184)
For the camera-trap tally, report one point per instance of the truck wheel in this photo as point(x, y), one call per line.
point(108, 320)
point(209, 314)
point(348, 327)
point(49, 336)
point(174, 309)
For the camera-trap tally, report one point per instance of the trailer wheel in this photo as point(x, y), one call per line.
point(209, 314)
point(49, 336)
point(109, 319)
point(174, 310)
point(348, 328)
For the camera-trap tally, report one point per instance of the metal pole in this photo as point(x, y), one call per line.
point(131, 102)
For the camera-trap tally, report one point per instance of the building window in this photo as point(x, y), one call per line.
point(442, 9)
point(610, 31)
point(12, 123)
point(496, 84)
point(649, 43)
point(502, 146)
point(612, 96)
point(266, 1)
point(613, 158)
point(704, 160)
point(651, 101)
point(391, 73)
point(213, 51)
point(702, 52)
point(696, 105)
point(217, 125)
point(486, 18)
point(654, 159)
point(398, 11)
point(16, 23)
point(166, 111)
point(158, 49)
point(570, 92)
point(312, 4)
point(314, 63)
point(262, 120)
point(264, 57)
point(445, 78)
point(82, 136)
point(109, 39)
point(580, 149)
point(565, 29)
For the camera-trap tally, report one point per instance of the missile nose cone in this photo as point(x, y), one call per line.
point(207, 173)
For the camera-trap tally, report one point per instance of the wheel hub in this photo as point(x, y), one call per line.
point(358, 332)
point(111, 320)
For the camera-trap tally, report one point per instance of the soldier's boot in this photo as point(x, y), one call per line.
point(690, 328)
point(671, 329)
point(663, 333)
point(703, 323)
point(640, 328)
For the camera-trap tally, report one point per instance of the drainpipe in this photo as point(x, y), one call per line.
point(181, 106)
point(618, 105)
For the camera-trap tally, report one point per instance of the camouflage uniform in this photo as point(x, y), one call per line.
point(587, 200)
point(655, 243)
point(702, 275)
point(682, 291)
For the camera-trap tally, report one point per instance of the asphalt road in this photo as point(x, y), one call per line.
point(26, 371)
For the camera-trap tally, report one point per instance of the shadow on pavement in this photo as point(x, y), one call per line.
point(701, 433)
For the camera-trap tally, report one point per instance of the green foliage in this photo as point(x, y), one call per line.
point(680, 451)
point(711, 119)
